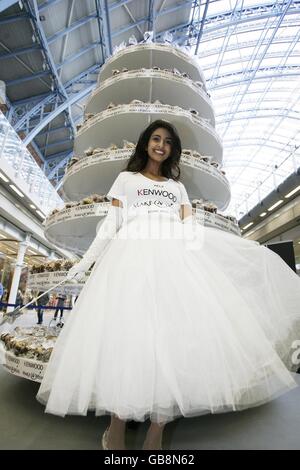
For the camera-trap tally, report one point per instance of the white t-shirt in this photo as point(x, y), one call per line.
point(136, 191)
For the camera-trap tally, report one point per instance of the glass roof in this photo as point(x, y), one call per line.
point(250, 56)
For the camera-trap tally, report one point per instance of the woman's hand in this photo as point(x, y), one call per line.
point(75, 274)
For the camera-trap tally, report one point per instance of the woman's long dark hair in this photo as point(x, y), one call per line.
point(170, 167)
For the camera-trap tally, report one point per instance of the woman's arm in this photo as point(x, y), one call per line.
point(108, 229)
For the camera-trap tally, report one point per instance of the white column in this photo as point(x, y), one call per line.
point(17, 272)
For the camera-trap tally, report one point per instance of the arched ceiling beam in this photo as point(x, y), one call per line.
point(4, 4)
point(107, 25)
point(221, 24)
point(201, 27)
point(72, 27)
point(100, 28)
point(43, 40)
point(244, 142)
point(145, 19)
point(253, 114)
point(55, 143)
point(19, 81)
point(52, 97)
point(71, 100)
point(239, 60)
point(49, 3)
point(61, 164)
point(56, 156)
point(20, 51)
point(282, 72)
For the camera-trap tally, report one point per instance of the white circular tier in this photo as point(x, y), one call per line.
point(128, 121)
point(96, 173)
point(210, 219)
point(204, 181)
point(149, 86)
point(22, 366)
point(47, 280)
point(77, 232)
point(152, 55)
point(75, 228)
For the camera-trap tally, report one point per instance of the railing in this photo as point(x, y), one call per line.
point(27, 175)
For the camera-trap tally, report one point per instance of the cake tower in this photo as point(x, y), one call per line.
point(137, 85)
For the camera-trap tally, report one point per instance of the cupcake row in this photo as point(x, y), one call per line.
point(52, 266)
point(33, 343)
point(131, 146)
point(174, 71)
point(135, 102)
point(148, 39)
point(93, 199)
point(98, 151)
point(206, 206)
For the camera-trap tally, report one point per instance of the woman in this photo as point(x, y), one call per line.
point(175, 319)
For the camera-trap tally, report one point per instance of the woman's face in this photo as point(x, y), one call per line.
point(160, 145)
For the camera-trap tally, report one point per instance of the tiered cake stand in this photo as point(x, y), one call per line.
point(136, 86)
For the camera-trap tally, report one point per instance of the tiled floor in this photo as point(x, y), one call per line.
point(24, 425)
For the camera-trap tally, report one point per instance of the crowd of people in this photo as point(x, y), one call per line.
point(58, 303)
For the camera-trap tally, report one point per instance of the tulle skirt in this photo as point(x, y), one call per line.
point(177, 325)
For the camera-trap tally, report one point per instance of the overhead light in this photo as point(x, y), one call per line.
point(292, 192)
point(30, 251)
point(6, 180)
point(247, 226)
point(16, 190)
point(37, 210)
point(275, 205)
point(40, 214)
point(262, 214)
point(32, 206)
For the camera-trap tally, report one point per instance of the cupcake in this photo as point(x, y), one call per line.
point(89, 151)
point(86, 201)
point(197, 155)
point(187, 152)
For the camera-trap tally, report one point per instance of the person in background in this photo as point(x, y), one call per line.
point(20, 297)
point(60, 306)
point(1, 293)
point(41, 302)
point(5, 296)
point(1, 290)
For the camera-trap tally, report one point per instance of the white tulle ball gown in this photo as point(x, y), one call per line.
point(161, 330)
